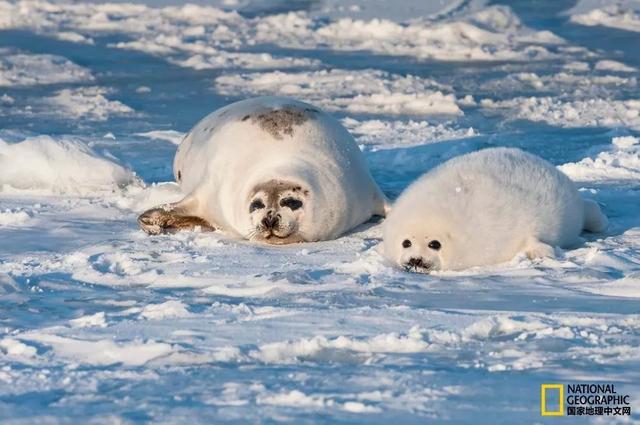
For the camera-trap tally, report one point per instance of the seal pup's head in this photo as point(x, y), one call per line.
point(277, 209)
point(422, 245)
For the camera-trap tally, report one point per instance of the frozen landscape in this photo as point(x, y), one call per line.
point(100, 323)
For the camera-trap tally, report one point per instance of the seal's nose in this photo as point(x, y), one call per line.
point(416, 262)
point(271, 220)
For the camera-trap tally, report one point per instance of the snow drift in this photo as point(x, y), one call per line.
point(58, 166)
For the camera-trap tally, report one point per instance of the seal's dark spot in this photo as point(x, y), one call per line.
point(280, 122)
point(312, 110)
point(246, 117)
point(179, 175)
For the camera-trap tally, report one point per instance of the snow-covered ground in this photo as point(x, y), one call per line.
point(100, 323)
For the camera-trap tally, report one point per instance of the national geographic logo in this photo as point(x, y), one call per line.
point(583, 400)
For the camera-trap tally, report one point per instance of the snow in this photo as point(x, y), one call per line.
point(618, 16)
point(170, 136)
point(625, 287)
point(97, 319)
point(13, 218)
point(14, 348)
point(201, 36)
point(6, 99)
point(100, 323)
point(165, 310)
point(19, 69)
point(320, 347)
point(578, 82)
point(366, 91)
point(620, 162)
point(73, 37)
point(577, 113)
point(61, 166)
point(87, 102)
point(245, 60)
point(380, 134)
point(611, 65)
point(294, 398)
point(101, 352)
point(371, 9)
point(494, 33)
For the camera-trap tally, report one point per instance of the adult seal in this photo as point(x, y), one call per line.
point(484, 208)
point(269, 169)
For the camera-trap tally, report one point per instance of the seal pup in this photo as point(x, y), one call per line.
point(270, 169)
point(484, 208)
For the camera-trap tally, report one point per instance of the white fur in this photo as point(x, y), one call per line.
point(224, 157)
point(484, 208)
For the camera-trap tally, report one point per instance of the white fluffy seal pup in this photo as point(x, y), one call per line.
point(484, 208)
point(270, 169)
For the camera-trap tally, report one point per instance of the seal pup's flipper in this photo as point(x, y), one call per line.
point(537, 249)
point(170, 218)
point(594, 220)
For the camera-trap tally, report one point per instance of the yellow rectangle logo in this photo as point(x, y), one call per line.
point(543, 399)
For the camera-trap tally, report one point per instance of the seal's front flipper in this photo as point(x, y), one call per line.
point(171, 218)
point(387, 206)
point(536, 249)
point(594, 220)
point(160, 220)
point(382, 204)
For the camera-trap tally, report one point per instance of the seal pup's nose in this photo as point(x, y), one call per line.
point(271, 220)
point(416, 262)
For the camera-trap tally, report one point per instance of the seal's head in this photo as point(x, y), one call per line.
point(419, 246)
point(277, 209)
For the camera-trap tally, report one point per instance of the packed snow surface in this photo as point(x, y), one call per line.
point(366, 91)
point(29, 69)
point(100, 323)
point(624, 16)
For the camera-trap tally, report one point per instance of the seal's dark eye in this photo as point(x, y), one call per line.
point(292, 203)
point(406, 243)
point(256, 205)
point(435, 245)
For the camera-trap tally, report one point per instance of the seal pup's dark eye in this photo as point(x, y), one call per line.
point(292, 203)
point(406, 243)
point(256, 205)
point(435, 245)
